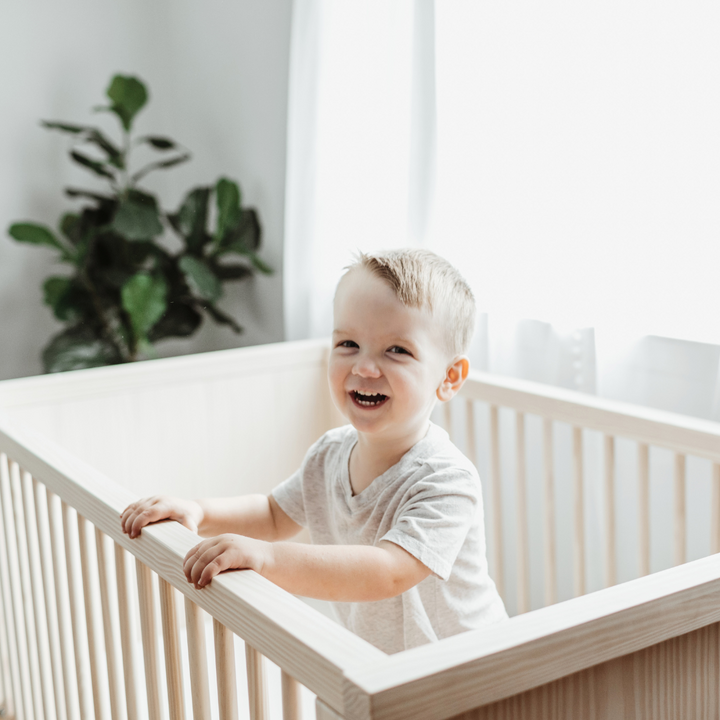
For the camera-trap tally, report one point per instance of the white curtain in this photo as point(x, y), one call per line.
point(565, 156)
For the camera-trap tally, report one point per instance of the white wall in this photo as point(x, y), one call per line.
point(218, 76)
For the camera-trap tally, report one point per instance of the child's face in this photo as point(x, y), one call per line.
point(381, 346)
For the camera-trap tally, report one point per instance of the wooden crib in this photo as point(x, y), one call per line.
point(583, 499)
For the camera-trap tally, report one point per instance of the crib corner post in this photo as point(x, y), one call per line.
point(325, 712)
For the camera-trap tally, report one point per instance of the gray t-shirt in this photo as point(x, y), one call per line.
point(429, 504)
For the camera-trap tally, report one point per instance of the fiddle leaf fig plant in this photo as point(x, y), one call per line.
point(126, 290)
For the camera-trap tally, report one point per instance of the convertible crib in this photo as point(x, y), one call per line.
point(601, 522)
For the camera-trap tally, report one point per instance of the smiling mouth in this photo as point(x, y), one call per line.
point(368, 400)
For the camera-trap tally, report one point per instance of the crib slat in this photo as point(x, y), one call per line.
point(111, 649)
point(610, 549)
point(496, 482)
point(77, 614)
point(225, 668)
point(171, 643)
point(470, 432)
point(98, 690)
point(126, 633)
point(28, 605)
point(197, 656)
point(18, 679)
point(6, 691)
point(715, 519)
point(257, 685)
point(38, 599)
point(61, 577)
point(45, 560)
point(290, 697)
point(644, 506)
point(549, 530)
point(579, 545)
point(523, 564)
point(149, 634)
point(680, 510)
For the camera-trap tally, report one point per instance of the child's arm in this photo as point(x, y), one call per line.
point(255, 516)
point(344, 573)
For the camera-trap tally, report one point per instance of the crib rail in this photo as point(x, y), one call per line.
point(66, 609)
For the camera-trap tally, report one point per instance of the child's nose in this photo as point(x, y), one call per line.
point(365, 366)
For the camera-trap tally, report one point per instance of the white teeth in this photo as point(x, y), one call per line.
point(364, 392)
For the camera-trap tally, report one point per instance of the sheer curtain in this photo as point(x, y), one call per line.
point(564, 156)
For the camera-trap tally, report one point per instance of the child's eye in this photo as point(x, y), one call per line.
point(348, 344)
point(396, 349)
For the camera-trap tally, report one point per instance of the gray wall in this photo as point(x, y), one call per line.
point(218, 77)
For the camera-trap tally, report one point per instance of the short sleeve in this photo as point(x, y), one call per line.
point(433, 524)
point(289, 496)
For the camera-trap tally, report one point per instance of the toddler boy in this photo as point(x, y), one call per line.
point(393, 508)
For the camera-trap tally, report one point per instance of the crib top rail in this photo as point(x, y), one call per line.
point(480, 667)
point(680, 433)
point(310, 647)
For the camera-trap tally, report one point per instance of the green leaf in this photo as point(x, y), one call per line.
point(200, 278)
point(77, 348)
point(96, 166)
point(227, 198)
point(191, 219)
point(232, 272)
point(144, 298)
point(137, 217)
point(160, 165)
point(75, 192)
point(91, 135)
point(159, 143)
point(128, 95)
point(260, 265)
point(222, 318)
point(64, 127)
point(35, 234)
point(70, 302)
point(244, 238)
point(179, 320)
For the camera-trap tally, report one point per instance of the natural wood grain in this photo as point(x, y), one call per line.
point(311, 647)
point(45, 561)
point(715, 513)
point(479, 667)
point(225, 669)
point(644, 507)
point(198, 661)
point(112, 652)
point(127, 635)
point(99, 689)
point(171, 644)
point(77, 613)
point(257, 684)
point(32, 556)
point(549, 525)
point(64, 620)
point(15, 647)
point(674, 680)
point(610, 529)
point(146, 601)
point(24, 596)
point(523, 550)
point(677, 432)
point(290, 697)
point(496, 483)
point(323, 712)
point(578, 513)
point(680, 529)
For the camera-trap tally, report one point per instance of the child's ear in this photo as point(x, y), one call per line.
point(455, 376)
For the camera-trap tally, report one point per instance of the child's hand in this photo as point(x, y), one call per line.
point(160, 507)
point(224, 552)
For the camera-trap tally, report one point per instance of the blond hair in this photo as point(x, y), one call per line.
point(422, 279)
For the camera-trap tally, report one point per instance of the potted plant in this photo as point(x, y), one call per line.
point(126, 290)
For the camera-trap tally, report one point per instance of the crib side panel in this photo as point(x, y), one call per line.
point(228, 423)
point(673, 680)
